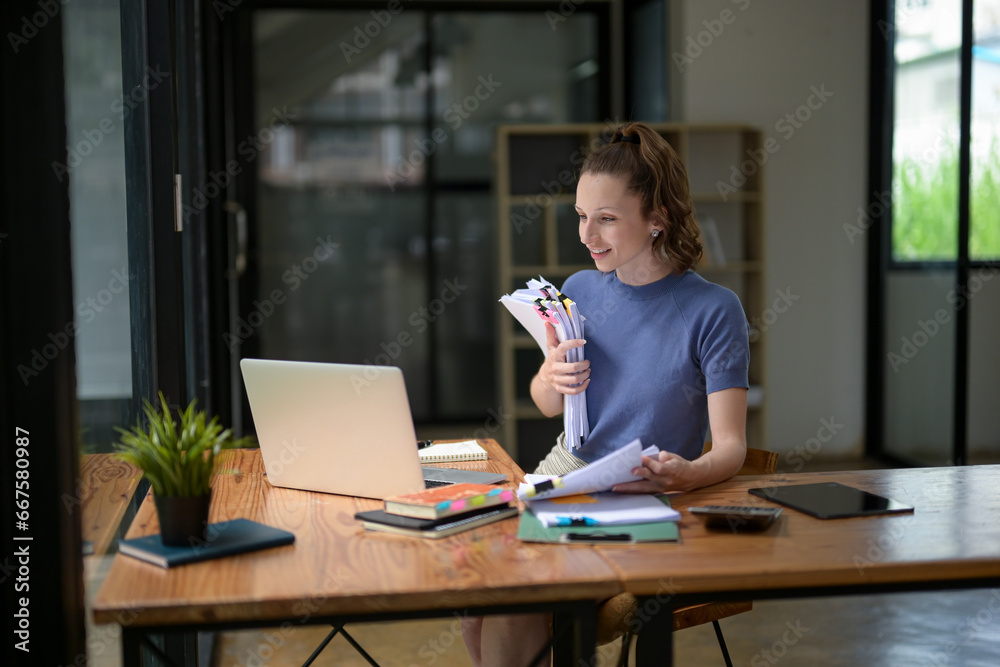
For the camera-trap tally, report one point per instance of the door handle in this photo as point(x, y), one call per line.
point(239, 266)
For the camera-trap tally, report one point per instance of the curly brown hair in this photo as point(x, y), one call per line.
point(642, 158)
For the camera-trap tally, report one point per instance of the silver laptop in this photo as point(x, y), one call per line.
point(339, 428)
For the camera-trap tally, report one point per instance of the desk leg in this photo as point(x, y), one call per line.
point(655, 643)
point(131, 647)
point(576, 645)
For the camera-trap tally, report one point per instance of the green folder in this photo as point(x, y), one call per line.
point(532, 530)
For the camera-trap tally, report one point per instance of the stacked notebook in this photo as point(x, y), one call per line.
point(441, 511)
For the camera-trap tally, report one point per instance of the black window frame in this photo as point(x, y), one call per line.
point(42, 564)
point(880, 260)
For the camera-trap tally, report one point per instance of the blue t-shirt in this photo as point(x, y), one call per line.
point(656, 351)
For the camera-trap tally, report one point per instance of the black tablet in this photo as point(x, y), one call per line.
point(830, 500)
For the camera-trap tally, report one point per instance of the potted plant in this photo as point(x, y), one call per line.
point(178, 459)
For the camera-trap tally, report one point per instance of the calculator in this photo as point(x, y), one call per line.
point(736, 517)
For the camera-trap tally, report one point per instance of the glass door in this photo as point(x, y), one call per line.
point(940, 359)
point(371, 230)
point(984, 237)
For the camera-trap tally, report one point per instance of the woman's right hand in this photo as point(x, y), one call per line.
point(558, 374)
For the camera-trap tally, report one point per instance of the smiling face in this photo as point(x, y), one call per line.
point(613, 228)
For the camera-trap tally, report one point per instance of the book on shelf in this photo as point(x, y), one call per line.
point(713, 242)
point(380, 520)
point(226, 538)
point(450, 500)
point(450, 452)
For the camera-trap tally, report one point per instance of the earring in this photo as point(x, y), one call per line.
point(656, 232)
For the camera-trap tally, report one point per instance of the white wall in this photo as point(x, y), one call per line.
point(761, 65)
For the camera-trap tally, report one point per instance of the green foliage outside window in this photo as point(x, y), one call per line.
point(984, 234)
point(925, 208)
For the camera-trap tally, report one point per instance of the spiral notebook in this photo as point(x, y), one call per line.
point(451, 452)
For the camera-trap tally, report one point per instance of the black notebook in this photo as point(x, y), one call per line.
point(226, 538)
point(433, 528)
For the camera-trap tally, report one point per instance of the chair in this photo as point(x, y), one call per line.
point(615, 615)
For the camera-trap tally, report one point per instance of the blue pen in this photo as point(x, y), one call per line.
point(575, 521)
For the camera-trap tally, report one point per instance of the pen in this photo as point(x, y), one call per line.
point(575, 521)
point(424, 443)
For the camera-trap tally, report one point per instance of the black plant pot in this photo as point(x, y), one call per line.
point(183, 519)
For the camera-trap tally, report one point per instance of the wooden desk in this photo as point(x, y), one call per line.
point(104, 489)
point(952, 540)
point(337, 571)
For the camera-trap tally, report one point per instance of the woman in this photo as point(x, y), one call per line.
point(667, 357)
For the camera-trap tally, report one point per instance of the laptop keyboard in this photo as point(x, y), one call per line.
point(432, 483)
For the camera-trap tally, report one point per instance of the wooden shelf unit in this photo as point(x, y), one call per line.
point(537, 234)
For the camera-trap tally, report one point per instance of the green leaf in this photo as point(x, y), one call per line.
point(178, 457)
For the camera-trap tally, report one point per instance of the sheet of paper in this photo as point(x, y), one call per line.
point(603, 509)
point(541, 303)
point(601, 475)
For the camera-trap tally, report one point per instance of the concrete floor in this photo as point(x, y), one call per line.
point(906, 630)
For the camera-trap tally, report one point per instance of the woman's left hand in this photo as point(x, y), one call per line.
point(663, 472)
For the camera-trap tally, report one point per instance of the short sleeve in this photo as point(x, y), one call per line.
point(724, 345)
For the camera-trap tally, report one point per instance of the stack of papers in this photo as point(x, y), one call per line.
point(601, 475)
point(603, 509)
point(578, 506)
point(537, 306)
